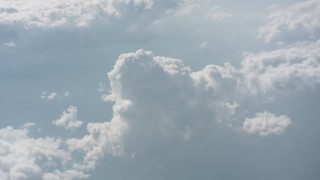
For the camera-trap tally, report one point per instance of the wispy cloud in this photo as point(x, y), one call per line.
point(9, 44)
point(199, 9)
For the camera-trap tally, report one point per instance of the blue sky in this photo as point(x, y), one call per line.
point(158, 89)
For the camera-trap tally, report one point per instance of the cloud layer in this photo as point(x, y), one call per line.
point(42, 14)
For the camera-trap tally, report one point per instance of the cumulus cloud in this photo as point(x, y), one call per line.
point(159, 99)
point(181, 103)
point(24, 157)
point(172, 85)
point(284, 70)
point(68, 119)
point(266, 124)
point(301, 18)
point(67, 94)
point(159, 102)
point(102, 138)
point(45, 14)
point(156, 99)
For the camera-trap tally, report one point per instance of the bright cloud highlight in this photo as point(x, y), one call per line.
point(68, 119)
point(266, 124)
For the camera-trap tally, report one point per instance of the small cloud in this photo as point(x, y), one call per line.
point(204, 44)
point(48, 96)
point(217, 14)
point(67, 94)
point(107, 98)
point(68, 119)
point(266, 124)
point(9, 44)
point(28, 125)
point(52, 96)
point(101, 88)
point(198, 9)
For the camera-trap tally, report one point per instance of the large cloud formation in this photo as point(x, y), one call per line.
point(162, 106)
point(164, 95)
point(57, 13)
point(159, 99)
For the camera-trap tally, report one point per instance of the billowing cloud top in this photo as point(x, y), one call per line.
point(164, 118)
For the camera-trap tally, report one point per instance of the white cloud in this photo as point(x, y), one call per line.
point(266, 124)
point(52, 96)
point(55, 13)
point(289, 69)
point(101, 88)
point(23, 157)
point(68, 174)
point(9, 44)
point(156, 99)
point(67, 94)
point(68, 119)
point(159, 99)
point(204, 44)
point(102, 138)
point(48, 96)
point(301, 17)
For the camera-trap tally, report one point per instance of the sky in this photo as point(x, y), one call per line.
point(159, 89)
